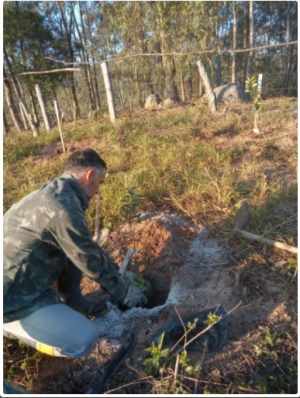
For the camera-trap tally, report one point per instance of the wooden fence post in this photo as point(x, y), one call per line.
point(109, 92)
point(59, 126)
point(209, 92)
point(42, 105)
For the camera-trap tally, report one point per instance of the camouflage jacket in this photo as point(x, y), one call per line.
point(39, 233)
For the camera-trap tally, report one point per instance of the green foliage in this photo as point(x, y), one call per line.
point(266, 343)
point(254, 92)
point(292, 265)
point(142, 284)
point(184, 362)
point(157, 354)
point(212, 318)
point(129, 208)
point(131, 202)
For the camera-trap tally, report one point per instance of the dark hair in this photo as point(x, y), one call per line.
point(83, 159)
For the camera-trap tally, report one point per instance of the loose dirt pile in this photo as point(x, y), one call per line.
point(189, 271)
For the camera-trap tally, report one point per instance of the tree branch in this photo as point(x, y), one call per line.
point(44, 71)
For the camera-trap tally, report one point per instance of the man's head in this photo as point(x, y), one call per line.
point(89, 170)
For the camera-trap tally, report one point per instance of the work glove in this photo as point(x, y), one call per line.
point(134, 297)
point(129, 277)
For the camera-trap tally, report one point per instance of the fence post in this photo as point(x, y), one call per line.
point(109, 93)
point(209, 92)
point(59, 126)
point(42, 105)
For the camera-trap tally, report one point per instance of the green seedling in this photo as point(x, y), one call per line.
point(255, 93)
point(212, 318)
point(128, 210)
point(142, 284)
point(157, 354)
point(266, 342)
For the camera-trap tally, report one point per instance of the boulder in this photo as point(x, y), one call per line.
point(211, 340)
point(229, 93)
point(153, 101)
point(170, 103)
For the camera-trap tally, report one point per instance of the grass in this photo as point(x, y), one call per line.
point(193, 163)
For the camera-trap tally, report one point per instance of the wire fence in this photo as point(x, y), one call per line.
point(131, 87)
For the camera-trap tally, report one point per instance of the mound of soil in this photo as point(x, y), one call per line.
point(188, 273)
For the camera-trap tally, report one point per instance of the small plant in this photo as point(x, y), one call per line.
point(141, 283)
point(212, 318)
point(128, 210)
point(266, 341)
point(131, 202)
point(292, 265)
point(157, 353)
point(254, 90)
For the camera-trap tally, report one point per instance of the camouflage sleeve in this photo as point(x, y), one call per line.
point(71, 233)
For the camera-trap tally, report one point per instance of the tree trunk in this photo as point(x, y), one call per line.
point(109, 92)
point(43, 108)
point(168, 63)
point(11, 106)
point(170, 90)
point(233, 66)
point(208, 89)
point(33, 107)
point(189, 87)
point(251, 40)
point(5, 124)
point(67, 99)
point(87, 72)
point(68, 33)
point(246, 40)
point(137, 84)
point(97, 95)
point(29, 118)
point(217, 67)
point(200, 88)
point(19, 92)
point(288, 53)
point(183, 96)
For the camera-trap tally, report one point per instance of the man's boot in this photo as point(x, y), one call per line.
point(68, 287)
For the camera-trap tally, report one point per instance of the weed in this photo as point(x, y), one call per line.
point(157, 354)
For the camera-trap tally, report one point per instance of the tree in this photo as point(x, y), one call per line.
point(28, 41)
point(10, 103)
point(67, 19)
point(234, 41)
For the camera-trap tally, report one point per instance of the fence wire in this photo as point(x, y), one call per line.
point(131, 87)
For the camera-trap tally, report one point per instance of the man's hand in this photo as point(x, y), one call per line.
point(134, 297)
point(129, 277)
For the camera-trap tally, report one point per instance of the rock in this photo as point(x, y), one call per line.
point(153, 101)
point(170, 103)
point(212, 340)
point(229, 93)
point(295, 113)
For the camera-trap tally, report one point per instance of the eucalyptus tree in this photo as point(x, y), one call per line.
point(28, 46)
point(278, 22)
point(67, 32)
point(26, 43)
